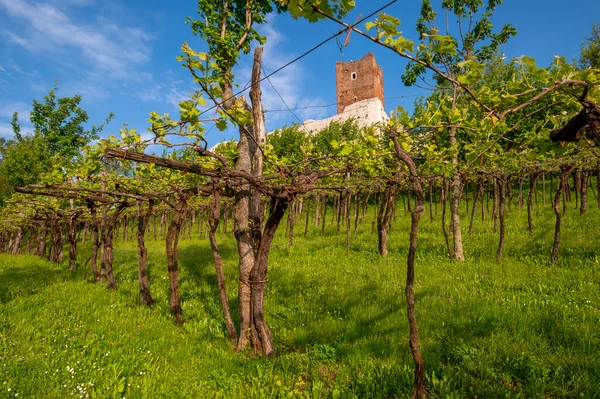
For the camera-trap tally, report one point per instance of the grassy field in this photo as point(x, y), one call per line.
point(519, 329)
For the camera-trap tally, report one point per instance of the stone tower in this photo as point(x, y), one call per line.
point(357, 81)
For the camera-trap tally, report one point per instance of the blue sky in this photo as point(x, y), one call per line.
point(120, 55)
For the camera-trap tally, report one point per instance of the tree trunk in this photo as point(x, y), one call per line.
point(40, 249)
point(347, 207)
point(356, 212)
point(200, 220)
point(72, 236)
point(125, 223)
point(456, 187)
point(365, 206)
point(172, 242)
point(95, 241)
point(584, 190)
point(317, 209)
point(566, 196)
point(598, 185)
point(521, 180)
point(86, 228)
point(495, 210)
point(419, 373)
point(214, 224)
point(339, 213)
point(444, 198)
point(103, 222)
point(55, 254)
point(247, 210)
point(476, 195)
point(324, 216)
point(30, 240)
point(307, 210)
point(17, 243)
point(155, 220)
point(543, 188)
point(454, 210)
point(532, 193)
point(143, 220)
point(107, 245)
point(501, 184)
point(163, 222)
point(107, 255)
point(290, 222)
point(577, 178)
point(244, 244)
point(258, 278)
point(560, 187)
point(431, 201)
point(384, 216)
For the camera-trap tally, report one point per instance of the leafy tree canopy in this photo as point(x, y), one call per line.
point(56, 143)
point(590, 49)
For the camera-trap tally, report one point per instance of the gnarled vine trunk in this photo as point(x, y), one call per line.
point(457, 186)
point(532, 192)
point(444, 198)
point(40, 248)
point(501, 184)
point(215, 216)
point(72, 236)
point(143, 220)
point(584, 192)
point(107, 235)
point(94, 237)
point(384, 216)
point(261, 335)
point(419, 373)
point(172, 242)
point(559, 190)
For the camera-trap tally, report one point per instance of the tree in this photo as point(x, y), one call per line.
point(56, 143)
point(228, 27)
point(590, 49)
point(477, 42)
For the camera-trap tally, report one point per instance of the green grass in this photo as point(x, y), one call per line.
point(519, 329)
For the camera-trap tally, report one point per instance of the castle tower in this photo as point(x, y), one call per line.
point(357, 81)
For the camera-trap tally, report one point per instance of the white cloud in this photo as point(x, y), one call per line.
point(176, 93)
point(21, 41)
point(171, 92)
point(6, 130)
point(9, 68)
point(4, 84)
point(8, 108)
point(17, 68)
point(289, 82)
point(79, 3)
point(9, 72)
point(116, 50)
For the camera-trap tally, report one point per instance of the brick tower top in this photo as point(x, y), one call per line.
point(358, 80)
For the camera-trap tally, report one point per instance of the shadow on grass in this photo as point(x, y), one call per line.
point(197, 267)
point(27, 275)
point(198, 264)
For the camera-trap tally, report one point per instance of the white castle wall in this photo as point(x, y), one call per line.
point(365, 112)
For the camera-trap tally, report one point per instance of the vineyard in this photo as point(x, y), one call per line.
point(447, 252)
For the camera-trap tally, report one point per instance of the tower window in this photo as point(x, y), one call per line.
point(353, 75)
